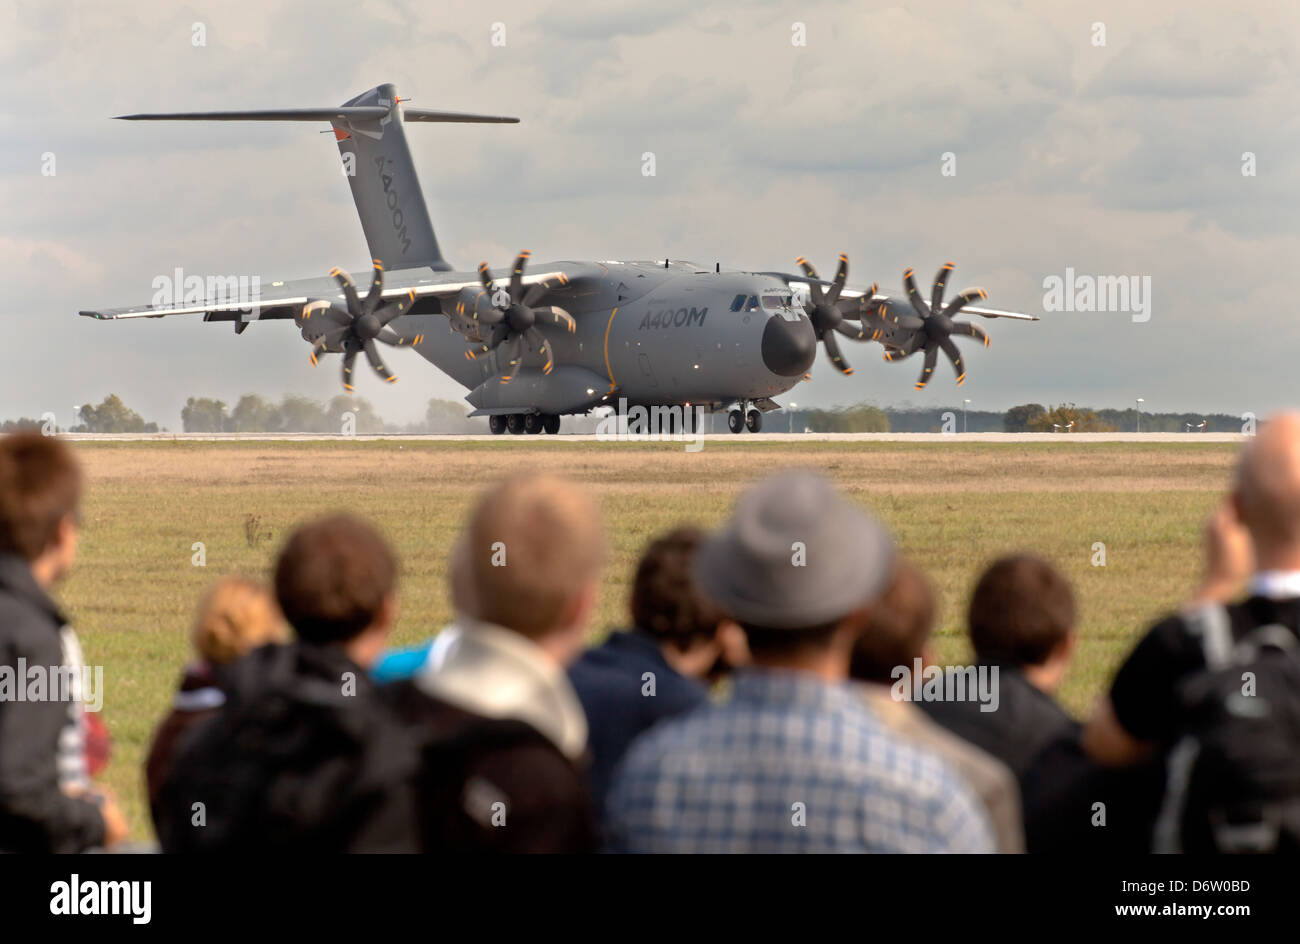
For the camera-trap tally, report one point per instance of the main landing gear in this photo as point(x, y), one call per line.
point(519, 423)
point(739, 420)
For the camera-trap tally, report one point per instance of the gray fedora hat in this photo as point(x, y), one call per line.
point(795, 554)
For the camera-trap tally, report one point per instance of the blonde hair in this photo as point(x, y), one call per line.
point(235, 617)
point(533, 544)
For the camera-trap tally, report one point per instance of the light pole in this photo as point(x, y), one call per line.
point(792, 406)
point(1140, 401)
point(964, 405)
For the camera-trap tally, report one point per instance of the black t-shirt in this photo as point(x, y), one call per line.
point(1145, 691)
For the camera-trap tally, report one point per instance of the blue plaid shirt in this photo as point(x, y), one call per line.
point(790, 763)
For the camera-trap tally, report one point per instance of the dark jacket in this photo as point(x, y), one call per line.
point(609, 680)
point(198, 698)
point(304, 757)
point(1026, 720)
point(1060, 787)
point(492, 785)
point(35, 816)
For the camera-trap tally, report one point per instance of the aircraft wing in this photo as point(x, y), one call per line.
point(284, 300)
point(966, 309)
point(797, 279)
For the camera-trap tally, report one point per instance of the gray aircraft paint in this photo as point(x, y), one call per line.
point(652, 333)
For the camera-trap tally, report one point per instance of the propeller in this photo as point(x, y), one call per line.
point(514, 316)
point(355, 327)
point(932, 327)
point(825, 314)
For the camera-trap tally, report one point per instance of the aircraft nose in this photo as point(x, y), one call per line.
point(788, 346)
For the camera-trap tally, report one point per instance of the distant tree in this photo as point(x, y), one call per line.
point(112, 416)
point(1084, 420)
point(1019, 419)
point(367, 421)
point(204, 415)
point(302, 415)
point(20, 425)
point(862, 418)
point(252, 414)
point(447, 416)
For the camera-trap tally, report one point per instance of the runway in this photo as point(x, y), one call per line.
point(541, 440)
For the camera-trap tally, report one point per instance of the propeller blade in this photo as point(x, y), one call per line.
point(477, 351)
point(377, 363)
point(940, 280)
point(485, 277)
point(910, 322)
point(539, 341)
point(556, 316)
point(376, 287)
point(517, 276)
point(856, 332)
point(931, 358)
point(841, 275)
point(954, 355)
point(970, 331)
point(833, 350)
point(913, 296)
point(392, 338)
point(511, 359)
point(498, 334)
point(327, 310)
point(349, 288)
point(325, 340)
point(395, 310)
point(349, 359)
point(964, 299)
point(535, 293)
point(858, 308)
point(814, 289)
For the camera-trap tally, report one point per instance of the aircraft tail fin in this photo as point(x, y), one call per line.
point(369, 130)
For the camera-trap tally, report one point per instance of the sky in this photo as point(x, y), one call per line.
point(1115, 157)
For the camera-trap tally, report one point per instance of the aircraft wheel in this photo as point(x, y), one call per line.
point(532, 423)
point(735, 421)
point(497, 423)
point(551, 423)
point(754, 421)
point(515, 423)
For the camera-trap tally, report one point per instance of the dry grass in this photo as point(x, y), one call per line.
point(952, 507)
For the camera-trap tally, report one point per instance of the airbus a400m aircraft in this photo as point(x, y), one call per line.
point(559, 338)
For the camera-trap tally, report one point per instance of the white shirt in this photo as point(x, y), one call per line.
point(1276, 584)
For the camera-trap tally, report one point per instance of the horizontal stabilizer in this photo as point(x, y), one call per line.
point(338, 113)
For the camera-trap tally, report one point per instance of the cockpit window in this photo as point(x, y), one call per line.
point(752, 305)
point(738, 303)
point(776, 302)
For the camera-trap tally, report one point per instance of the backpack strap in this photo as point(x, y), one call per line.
point(1211, 625)
point(1271, 636)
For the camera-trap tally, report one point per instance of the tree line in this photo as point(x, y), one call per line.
point(297, 414)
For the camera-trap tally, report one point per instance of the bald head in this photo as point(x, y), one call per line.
point(1267, 493)
point(534, 544)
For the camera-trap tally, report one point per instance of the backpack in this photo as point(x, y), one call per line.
point(289, 765)
point(1233, 779)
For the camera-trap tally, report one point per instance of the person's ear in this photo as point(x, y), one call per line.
point(578, 612)
point(734, 643)
point(387, 615)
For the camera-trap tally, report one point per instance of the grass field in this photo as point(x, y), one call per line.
point(951, 506)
